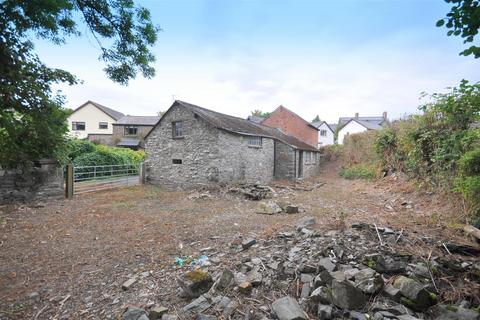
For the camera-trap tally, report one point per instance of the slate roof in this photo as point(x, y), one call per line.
point(128, 143)
point(138, 120)
point(112, 113)
point(370, 125)
point(317, 125)
point(377, 120)
point(255, 119)
point(243, 126)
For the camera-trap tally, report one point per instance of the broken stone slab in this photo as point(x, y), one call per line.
point(195, 283)
point(354, 315)
point(247, 243)
point(326, 277)
point(391, 292)
point(443, 312)
point(326, 264)
point(321, 295)
point(385, 264)
point(346, 296)
point(129, 283)
point(306, 277)
point(134, 313)
point(414, 294)
point(392, 307)
point(157, 312)
point(369, 281)
point(197, 306)
point(230, 309)
point(291, 209)
point(306, 288)
point(324, 312)
point(254, 277)
point(202, 316)
point(287, 308)
point(305, 222)
point(269, 207)
point(225, 279)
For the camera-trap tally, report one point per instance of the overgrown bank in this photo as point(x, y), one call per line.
point(439, 148)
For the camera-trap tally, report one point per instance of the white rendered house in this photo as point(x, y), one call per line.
point(326, 133)
point(359, 124)
point(92, 118)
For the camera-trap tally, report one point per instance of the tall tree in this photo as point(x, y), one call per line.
point(32, 121)
point(463, 20)
point(316, 119)
point(260, 113)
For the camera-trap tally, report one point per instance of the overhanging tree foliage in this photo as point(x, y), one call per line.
point(463, 20)
point(32, 122)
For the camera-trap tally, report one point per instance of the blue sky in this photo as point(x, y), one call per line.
point(331, 58)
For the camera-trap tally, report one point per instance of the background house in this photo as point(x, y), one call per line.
point(130, 131)
point(326, 133)
point(192, 146)
point(292, 124)
point(94, 120)
point(352, 125)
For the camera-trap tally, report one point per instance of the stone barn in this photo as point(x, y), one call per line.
point(193, 146)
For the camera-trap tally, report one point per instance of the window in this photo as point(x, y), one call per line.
point(310, 157)
point(177, 161)
point(323, 133)
point(255, 142)
point(131, 131)
point(103, 125)
point(177, 129)
point(79, 126)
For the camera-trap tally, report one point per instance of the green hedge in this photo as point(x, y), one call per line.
point(86, 153)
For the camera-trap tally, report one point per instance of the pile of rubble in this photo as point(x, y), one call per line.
point(357, 273)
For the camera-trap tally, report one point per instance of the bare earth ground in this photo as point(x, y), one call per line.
point(76, 253)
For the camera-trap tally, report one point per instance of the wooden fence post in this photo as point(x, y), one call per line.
point(141, 172)
point(69, 186)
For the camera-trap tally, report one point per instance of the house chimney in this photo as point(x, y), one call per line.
point(356, 115)
point(385, 115)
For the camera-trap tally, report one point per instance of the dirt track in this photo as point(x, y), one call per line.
point(76, 253)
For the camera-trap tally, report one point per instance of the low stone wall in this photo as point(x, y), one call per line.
point(45, 180)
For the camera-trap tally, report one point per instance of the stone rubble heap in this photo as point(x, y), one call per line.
point(306, 274)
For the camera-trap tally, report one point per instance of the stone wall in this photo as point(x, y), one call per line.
point(197, 150)
point(105, 139)
point(284, 161)
point(45, 180)
point(240, 162)
point(310, 168)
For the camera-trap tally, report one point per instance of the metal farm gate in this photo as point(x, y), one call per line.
point(84, 179)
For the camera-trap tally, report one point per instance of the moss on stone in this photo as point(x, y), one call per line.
point(196, 275)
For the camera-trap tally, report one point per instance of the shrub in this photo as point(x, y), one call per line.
point(359, 171)
point(469, 163)
point(86, 153)
point(359, 148)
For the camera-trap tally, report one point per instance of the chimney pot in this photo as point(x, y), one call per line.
point(385, 115)
point(356, 115)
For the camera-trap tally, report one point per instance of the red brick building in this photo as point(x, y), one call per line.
point(292, 124)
